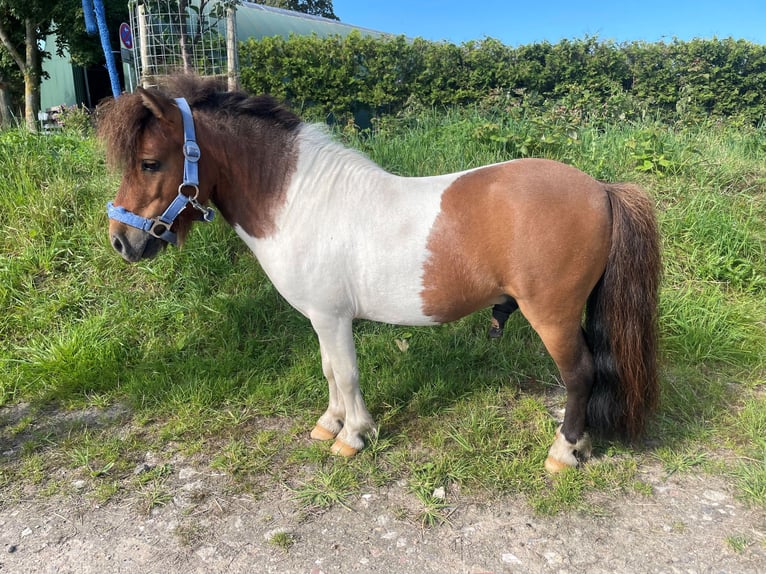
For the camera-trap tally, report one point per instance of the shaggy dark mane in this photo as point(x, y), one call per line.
point(121, 121)
point(211, 94)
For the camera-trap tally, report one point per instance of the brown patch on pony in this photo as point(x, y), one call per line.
point(251, 140)
point(513, 229)
point(551, 237)
point(244, 139)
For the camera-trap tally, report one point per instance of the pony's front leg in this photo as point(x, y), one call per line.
point(336, 342)
point(331, 422)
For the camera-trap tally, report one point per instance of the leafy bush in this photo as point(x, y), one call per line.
point(678, 81)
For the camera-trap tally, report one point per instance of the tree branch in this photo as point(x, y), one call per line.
point(6, 40)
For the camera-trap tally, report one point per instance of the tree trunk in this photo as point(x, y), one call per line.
point(20, 62)
point(31, 76)
point(6, 117)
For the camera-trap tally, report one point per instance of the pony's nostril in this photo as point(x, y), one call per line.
point(117, 244)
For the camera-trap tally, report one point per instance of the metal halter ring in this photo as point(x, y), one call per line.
point(196, 190)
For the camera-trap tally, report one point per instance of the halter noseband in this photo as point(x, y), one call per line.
point(160, 226)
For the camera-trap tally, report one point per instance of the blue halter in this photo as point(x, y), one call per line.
point(160, 226)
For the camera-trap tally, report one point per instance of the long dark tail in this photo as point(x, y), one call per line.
point(621, 319)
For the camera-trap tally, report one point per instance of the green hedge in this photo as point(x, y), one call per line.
point(672, 80)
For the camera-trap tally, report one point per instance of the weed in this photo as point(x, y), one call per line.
point(565, 492)
point(751, 479)
point(153, 495)
point(738, 542)
point(643, 488)
point(254, 455)
point(151, 490)
point(674, 461)
point(678, 526)
point(327, 489)
point(158, 473)
point(282, 540)
point(435, 512)
point(647, 150)
point(189, 534)
point(33, 469)
point(105, 491)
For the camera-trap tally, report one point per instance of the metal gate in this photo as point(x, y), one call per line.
point(183, 36)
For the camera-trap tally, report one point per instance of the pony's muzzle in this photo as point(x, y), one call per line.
point(134, 244)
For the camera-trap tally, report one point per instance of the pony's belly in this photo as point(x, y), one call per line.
point(402, 305)
point(367, 286)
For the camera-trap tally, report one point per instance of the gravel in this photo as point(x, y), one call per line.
point(690, 524)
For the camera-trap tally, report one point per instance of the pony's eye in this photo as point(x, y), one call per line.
point(150, 165)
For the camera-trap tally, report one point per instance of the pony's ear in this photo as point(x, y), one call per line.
point(156, 103)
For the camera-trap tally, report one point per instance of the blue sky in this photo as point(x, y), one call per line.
point(516, 22)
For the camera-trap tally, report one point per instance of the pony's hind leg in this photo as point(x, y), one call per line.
point(565, 341)
point(500, 314)
point(347, 418)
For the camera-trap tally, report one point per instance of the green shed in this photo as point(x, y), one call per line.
point(69, 84)
point(258, 21)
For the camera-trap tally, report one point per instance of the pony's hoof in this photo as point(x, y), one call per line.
point(321, 433)
point(555, 466)
point(563, 454)
point(342, 449)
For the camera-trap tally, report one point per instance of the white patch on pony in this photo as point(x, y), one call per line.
point(562, 452)
point(350, 237)
point(349, 240)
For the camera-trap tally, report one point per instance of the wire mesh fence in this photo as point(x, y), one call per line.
point(172, 36)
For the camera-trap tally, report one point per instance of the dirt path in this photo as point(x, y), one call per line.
point(690, 524)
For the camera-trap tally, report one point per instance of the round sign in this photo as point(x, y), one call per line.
point(126, 36)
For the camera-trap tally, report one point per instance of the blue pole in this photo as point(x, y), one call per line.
point(90, 17)
point(89, 8)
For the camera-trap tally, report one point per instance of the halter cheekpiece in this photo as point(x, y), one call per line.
point(160, 226)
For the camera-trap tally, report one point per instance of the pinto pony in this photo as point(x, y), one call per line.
point(341, 238)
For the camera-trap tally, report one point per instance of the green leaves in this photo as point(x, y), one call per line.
point(680, 81)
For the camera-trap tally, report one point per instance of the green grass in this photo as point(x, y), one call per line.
point(738, 543)
point(196, 354)
point(282, 540)
point(328, 488)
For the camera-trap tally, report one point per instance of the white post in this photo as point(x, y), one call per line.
point(143, 46)
point(232, 57)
